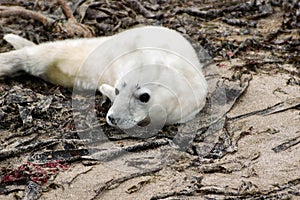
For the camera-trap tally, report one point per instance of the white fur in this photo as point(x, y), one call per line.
point(152, 60)
point(17, 42)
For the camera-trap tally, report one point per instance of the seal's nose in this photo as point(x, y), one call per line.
point(112, 119)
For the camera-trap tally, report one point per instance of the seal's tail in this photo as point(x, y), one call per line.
point(14, 61)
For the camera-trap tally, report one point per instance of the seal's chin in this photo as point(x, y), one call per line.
point(129, 123)
point(145, 122)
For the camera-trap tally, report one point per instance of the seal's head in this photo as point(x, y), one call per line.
point(135, 105)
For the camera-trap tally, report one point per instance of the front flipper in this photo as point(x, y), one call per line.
point(108, 91)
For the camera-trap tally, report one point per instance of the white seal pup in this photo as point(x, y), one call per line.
point(151, 74)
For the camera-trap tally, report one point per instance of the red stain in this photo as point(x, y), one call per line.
point(39, 173)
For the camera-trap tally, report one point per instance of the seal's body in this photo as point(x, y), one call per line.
point(151, 74)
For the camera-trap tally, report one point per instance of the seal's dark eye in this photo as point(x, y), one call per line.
point(117, 91)
point(144, 97)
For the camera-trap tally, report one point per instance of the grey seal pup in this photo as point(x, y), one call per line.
point(151, 74)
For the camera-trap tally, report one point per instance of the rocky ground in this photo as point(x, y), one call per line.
point(245, 144)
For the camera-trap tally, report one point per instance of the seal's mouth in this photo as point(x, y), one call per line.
point(145, 122)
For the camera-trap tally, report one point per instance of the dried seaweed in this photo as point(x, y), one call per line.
point(208, 131)
point(111, 183)
point(139, 8)
point(20, 149)
point(27, 14)
point(286, 145)
point(114, 152)
point(239, 22)
point(32, 191)
point(279, 107)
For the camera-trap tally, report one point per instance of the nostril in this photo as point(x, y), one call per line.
point(112, 119)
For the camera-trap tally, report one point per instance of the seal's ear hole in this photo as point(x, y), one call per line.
point(144, 97)
point(116, 91)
